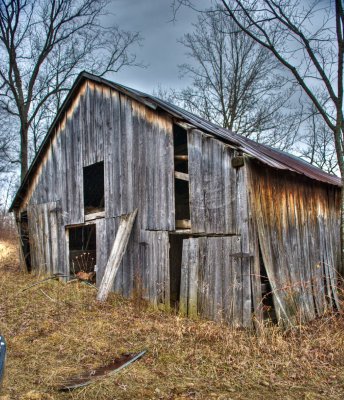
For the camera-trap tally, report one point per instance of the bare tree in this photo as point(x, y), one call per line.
point(317, 145)
point(8, 144)
point(44, 44)
point(8, 176)
point(236, 83)
point(5, 150)
point(8, 186)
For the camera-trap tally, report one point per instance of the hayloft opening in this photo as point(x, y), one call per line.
point(24, 240)
point(94, 188)
point(181, 174)
point(182, 202)
point(180, 142)
point(82, 251)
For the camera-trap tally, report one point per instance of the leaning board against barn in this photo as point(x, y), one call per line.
point(226, 229)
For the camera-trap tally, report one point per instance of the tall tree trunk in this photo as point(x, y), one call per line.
point(338, 134)
point(24, 149)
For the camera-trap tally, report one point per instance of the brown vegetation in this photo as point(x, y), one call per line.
point(55, 330)
point(8, 230)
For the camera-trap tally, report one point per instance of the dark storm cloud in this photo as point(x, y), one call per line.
point(160, 50)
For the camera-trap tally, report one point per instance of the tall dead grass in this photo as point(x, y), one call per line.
point(8, 230)
point(55, 330)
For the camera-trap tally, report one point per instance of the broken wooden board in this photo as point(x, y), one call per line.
point(181, 175)
point(91, 376)
point(116, 255)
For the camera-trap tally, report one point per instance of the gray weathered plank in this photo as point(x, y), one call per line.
point(116, 255)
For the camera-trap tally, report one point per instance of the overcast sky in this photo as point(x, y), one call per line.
point(160, 50)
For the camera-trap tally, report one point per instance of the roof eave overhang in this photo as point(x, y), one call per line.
point(243, 144)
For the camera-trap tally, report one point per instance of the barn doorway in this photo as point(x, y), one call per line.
point(181, 178)
point(25, 240)
point(267, 302)
point(83, 251)
point(176, 252)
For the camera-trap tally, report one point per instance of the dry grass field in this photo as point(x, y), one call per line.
point(55, 330)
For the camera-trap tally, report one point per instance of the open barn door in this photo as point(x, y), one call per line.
point(25, 241)
point(44, 237)
point(82, 250)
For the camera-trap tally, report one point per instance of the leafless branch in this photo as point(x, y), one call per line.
point(44, 45)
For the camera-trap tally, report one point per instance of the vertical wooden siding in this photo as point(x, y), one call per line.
point(136, 145)
point(61, 177)
point(106, 230)
point(298, 227)
point(214, 185)
point(138, 161)
point(154, 262)
point(154, 168)
point(145, 265)
point(215, 280)
point(45, 238)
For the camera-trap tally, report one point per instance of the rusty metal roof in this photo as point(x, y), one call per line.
point(272, 157)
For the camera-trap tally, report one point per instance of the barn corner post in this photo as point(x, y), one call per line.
point(18, 226)
point(338, 138)
point(341, 265)
point(339, 127)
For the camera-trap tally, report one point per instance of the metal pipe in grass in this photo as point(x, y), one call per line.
point(102, 372)
point(54, 276)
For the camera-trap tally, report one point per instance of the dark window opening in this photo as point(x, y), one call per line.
point(94, 188)
point(181, 168)
point(82, 251)
point(268, 308)
point(176, 251)
point(182, 200)
point(180, 140)
point(25, 240)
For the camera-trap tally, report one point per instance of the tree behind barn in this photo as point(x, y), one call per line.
point(236, 83)
point(318, 145)
point(44, 45)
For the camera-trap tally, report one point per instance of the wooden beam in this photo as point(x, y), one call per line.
point(116, 255)
point(181, 157)
point(238, 161)
point(92, 216)
point(181, 175)
point(183, 224)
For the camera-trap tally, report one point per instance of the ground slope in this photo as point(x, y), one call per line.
point(55, 330)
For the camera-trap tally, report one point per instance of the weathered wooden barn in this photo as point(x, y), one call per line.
point(226, 229)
